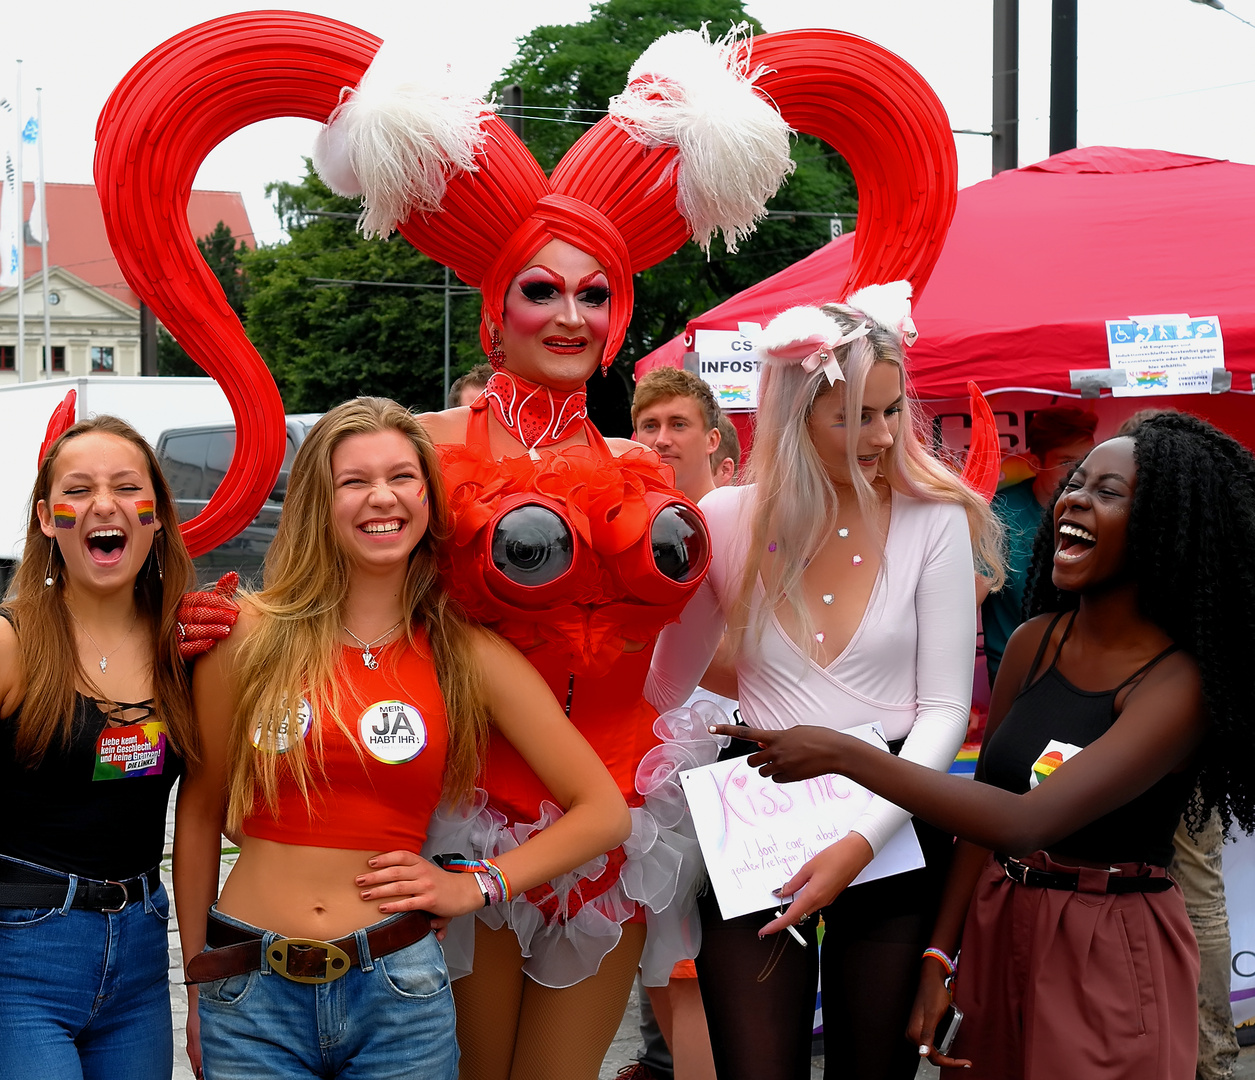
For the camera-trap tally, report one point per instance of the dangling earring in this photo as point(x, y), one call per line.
point(496, 355)
point(48, 575)
point(157, 555)
point(605, 366)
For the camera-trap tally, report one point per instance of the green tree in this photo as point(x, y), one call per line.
point(568, 75)
point(226, 260)
point(335, 315)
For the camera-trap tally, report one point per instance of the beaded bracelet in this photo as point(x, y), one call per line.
point(941, 958)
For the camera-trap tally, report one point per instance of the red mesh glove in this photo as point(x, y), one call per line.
point(205, 618)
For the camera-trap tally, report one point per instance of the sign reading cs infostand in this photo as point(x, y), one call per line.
point(727, 361)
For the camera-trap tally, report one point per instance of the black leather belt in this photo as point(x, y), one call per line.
point(22, 887)
point(235, 951)
point(1023, 874)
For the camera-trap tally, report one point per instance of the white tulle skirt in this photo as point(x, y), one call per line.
point(564, 939)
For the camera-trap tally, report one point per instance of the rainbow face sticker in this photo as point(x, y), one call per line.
point(422, 498)
point(64, 516)
point(144, 509)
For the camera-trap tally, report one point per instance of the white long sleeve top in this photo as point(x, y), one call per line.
point(908, 665)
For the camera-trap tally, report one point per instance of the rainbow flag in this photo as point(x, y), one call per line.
point(63, 516)
point(965, 762)
point(144, 508)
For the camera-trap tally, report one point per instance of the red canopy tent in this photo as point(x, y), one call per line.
point(1037, 259)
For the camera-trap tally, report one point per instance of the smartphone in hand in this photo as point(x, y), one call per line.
point(947, 1029)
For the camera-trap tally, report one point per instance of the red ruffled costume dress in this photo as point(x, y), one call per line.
point(577, 557)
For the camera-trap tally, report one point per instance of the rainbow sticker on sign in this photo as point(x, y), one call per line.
point(1054, 755)
point(131, 750)
point(144, 508)
point(64, 516)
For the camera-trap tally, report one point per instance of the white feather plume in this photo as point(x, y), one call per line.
point(697, 95)
point(796, 325)
point(397, 139)
point(889, 305)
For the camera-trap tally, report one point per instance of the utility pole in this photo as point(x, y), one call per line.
point(511, 110)
point(147, 340)
point(1006, 111)
point(1062, 76)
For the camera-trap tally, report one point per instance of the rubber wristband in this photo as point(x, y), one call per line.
point(941, 958)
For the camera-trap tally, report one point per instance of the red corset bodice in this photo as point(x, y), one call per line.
point(578, 558)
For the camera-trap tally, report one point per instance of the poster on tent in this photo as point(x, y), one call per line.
point(727, 362)
point(1165, 354)
point(1239, 886)
point(755, 834)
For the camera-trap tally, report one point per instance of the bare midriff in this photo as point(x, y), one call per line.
point(299, 891)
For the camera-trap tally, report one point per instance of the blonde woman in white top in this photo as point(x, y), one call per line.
point(844, 570)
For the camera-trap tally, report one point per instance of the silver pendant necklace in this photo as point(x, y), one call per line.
point(368, 658)
point(104, 656)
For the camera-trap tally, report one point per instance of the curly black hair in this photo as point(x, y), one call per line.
point(1191, 544)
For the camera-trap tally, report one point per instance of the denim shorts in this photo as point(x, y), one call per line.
point(391, 1018)
point(85, 993)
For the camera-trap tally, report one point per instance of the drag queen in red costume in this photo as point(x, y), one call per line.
point(576, 549)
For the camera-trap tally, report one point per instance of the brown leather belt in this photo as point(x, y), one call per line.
point(235, 951)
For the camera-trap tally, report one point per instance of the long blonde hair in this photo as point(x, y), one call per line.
point(50, 662)
point(293, 650)
point(795, 504)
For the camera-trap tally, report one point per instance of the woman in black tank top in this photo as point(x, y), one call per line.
point(95, 727)
point(1078, 957)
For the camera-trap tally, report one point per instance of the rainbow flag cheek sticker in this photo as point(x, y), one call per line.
point(1054, 755)
point(64, 516)
point(144, 508)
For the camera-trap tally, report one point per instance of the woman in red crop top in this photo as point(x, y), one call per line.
point(1078, 956)
point(95, 726)
point(351, 697)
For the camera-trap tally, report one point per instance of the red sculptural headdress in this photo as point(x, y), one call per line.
point(629, 191)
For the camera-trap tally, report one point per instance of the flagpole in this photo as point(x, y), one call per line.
point(43, 226)
point(21, 237)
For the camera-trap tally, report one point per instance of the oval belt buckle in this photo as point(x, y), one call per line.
point(306, 960)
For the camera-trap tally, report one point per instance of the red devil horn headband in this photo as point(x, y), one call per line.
point(190, 93)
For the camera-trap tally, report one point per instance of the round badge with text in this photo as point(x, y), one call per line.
point(282, 740)
point(392, 731)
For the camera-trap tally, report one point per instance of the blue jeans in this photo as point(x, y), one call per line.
point(391, 1018)
point(84, 994)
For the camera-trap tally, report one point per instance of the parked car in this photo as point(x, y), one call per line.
point(195, 460)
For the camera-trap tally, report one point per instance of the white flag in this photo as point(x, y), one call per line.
point(36, 227)
point(10, 198)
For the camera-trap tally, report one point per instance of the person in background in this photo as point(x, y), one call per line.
point(725, 462)
point(466, 388)
point(1057, 438)
point(674, 412)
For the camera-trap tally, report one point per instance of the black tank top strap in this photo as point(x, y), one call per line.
point(1140, 672)
point(1041, 649)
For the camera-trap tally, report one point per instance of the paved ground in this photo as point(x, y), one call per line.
point(621, 1050)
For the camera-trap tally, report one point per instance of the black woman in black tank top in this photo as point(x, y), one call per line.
point(1078, 958)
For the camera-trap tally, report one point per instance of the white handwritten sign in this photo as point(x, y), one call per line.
point(755, 834)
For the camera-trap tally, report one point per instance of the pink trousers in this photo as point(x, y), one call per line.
point(1085, 985)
